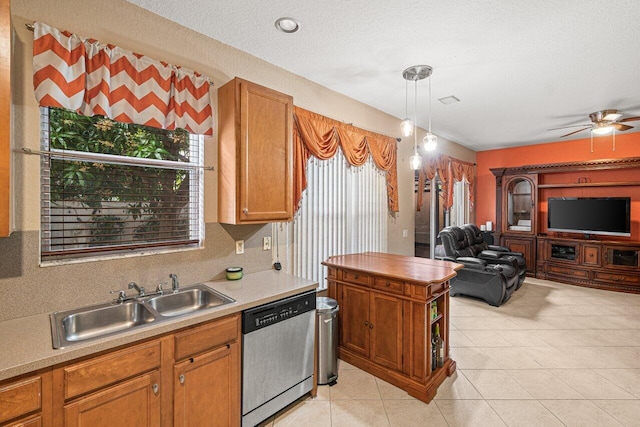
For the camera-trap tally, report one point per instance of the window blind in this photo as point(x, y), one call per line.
point(109, 187)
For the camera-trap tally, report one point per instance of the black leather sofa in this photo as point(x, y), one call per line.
point(478, 246)
point(491, 275)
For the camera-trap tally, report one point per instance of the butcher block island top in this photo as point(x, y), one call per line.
point(392, 308)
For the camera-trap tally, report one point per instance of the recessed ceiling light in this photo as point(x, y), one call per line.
point(449, 100)
point(287, 25)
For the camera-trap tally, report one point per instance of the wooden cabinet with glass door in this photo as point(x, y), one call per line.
point(516, 214)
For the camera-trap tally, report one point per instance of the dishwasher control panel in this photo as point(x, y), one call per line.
point(277, 311)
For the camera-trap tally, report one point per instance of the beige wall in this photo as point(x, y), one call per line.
point(126, 25)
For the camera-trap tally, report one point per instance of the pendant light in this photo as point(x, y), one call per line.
point(406, 127)
point(430, 141)
point(415, 73)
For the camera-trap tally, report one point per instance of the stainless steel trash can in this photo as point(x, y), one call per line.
point(327, 321)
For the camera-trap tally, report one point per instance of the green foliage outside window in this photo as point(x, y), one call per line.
point(134, 203)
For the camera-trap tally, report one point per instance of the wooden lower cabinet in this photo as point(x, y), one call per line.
point(187, 378)
point(385, 318)
point(206, 390)
point(385, 324)
point(26, 401)
point(135, 402)
point(372, 325)
point(592, 263)
point(525, 245)
point(354, 314)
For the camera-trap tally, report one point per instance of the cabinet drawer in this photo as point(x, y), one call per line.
point(617, 278)
point(591, 255)
point(392, 286)
point(20, 398)
point(568, 271)
point(101, 371)
point(332, 273)
point(355, 277)
point(206, 337)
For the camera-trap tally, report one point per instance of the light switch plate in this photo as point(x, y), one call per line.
point(405, 233)
point(266, 243)
point(239, 247)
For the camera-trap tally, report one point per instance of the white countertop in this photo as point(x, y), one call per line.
point(26, 344)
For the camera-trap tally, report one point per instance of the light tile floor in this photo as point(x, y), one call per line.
point(553, 355)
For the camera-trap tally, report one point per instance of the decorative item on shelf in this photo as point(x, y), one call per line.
point(415, 73)
point(234, 273)
point(434, 310)
point(438, 346)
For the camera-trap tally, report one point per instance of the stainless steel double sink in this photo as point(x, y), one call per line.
point(103, 320)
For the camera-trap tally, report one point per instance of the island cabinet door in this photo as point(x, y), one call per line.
point(386, 330)
point(354, 307)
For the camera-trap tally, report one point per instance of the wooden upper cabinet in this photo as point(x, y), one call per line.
point(255, 157)
point(5, 118)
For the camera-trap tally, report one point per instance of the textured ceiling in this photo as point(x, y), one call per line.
point(518, 67)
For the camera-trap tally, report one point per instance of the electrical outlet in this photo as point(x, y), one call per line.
point(266, 243)
point(405, 233)
point(239, 247)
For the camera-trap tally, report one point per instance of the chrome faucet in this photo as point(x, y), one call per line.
point(174, 283)
point(139, 289)
point(122, 296)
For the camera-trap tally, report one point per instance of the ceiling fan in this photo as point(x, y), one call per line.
point(603, 122)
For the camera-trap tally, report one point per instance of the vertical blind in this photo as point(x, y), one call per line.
point(344, 210)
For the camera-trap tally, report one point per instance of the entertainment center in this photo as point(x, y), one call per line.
point(601, 248)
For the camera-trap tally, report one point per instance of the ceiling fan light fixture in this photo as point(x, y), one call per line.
point(612, 117)
point(602, 130)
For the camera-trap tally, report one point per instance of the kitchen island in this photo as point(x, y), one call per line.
point(391, 307)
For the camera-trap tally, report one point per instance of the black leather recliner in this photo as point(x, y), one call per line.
point(478, 246)
point(491, 276)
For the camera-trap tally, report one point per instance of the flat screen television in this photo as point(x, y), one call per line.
point(590, 215)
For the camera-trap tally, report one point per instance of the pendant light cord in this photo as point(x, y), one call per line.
point(415, 116)
point(429, 104)
point(406, 98)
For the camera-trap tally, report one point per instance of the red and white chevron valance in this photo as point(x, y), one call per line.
point(91, 78)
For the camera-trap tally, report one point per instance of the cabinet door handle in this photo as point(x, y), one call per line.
point(245, 211)
point(181, 379)
point(366, 323)
point(370, 325)
point(156, 388)
point(387, 284)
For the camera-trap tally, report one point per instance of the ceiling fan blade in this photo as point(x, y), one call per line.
point(576, 131)
point(572, 126)
point(629, 119)
point(621, 127)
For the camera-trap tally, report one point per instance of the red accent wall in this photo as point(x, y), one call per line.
point(627, 145)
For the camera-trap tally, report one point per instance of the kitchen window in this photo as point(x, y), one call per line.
point(111, 188)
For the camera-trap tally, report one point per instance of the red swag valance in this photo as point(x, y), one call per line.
point(449, 170)
point(92, 78)
point(319, 136)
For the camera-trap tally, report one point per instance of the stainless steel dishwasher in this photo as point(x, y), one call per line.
point(277, 355)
